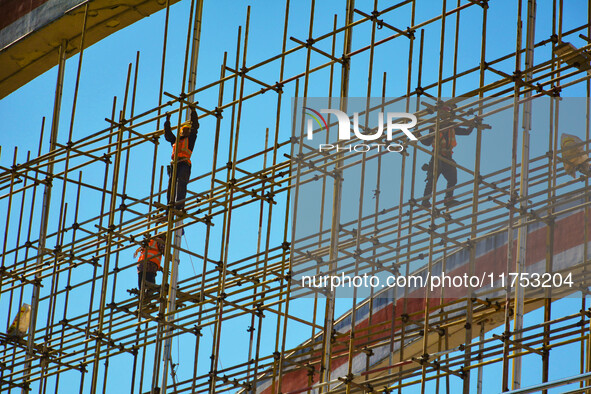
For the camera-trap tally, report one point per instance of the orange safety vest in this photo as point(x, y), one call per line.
point(447, 141)
point(151, 253)
point(184, 151)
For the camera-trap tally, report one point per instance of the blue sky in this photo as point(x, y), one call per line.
point(104, 73)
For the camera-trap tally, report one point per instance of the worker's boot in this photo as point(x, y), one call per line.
point(450, 202)
point(426, 203)
point(584, 169)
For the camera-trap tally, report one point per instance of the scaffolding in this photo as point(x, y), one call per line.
point(76, 211)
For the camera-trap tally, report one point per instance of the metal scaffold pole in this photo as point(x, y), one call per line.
point(46, 204)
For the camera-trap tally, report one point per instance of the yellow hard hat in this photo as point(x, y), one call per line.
point(185, 127)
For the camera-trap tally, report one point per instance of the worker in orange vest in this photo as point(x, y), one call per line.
point(185, 145)
point(574, 156)
point(150, 259)
point(447, 141)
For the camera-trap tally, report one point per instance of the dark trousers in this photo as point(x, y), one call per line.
point(183, 173)
point(150, 277)
point(450, 173)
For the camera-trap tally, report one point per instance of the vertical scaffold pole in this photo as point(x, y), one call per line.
point(522, 231)
point(110, 242)
point(45, 208)
point(523, 187)
point(265, 268)
point(336, 203)
point(195, 49)
point(476, 185)
point(435, 169)
point(194, 39)
point(512, 200)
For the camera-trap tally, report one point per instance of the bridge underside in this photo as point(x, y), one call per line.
point(30, 39)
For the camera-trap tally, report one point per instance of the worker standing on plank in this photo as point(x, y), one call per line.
point(185, 145)
point(20, 324)
point(150, 259)
point(447, 141)
point(574, 156)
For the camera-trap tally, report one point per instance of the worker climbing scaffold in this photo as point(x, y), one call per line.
point(445, 164)
point(574, 156)
point(20, 324)
point(185, 146)
point(149, 262)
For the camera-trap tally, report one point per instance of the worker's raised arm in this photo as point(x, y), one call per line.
point(464, 130)
point(194, 128)
point(194, 121)
point(168, 135)
point(471, 124)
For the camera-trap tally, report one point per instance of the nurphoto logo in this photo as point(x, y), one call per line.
point(394, 121)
